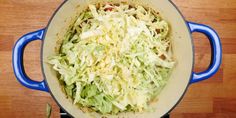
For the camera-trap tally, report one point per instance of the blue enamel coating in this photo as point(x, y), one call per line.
point(17, 61)
point(216, 48)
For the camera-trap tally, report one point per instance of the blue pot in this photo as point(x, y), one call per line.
point(181, 31)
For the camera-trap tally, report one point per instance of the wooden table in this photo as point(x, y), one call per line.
point(215, 97)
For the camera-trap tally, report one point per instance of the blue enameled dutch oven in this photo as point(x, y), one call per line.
point(183, 49)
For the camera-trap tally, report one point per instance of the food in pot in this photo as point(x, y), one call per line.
point(115, 58)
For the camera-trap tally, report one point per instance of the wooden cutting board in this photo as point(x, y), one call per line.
point(215, 97)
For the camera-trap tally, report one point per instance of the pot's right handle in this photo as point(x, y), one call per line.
point(216, 48)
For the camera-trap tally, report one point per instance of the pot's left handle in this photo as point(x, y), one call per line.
point(17, 61)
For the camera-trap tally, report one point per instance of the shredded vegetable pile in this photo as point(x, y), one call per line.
point(115, 58)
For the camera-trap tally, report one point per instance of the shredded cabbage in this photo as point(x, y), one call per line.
point(115, 58)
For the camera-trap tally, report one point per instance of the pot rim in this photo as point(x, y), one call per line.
point(44, 76)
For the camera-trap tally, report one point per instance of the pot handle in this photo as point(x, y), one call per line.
point(216, 48)
point(17, 61)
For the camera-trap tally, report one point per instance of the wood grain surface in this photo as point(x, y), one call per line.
point(215, 97)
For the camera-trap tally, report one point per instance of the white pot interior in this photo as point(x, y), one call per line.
point(182, 48)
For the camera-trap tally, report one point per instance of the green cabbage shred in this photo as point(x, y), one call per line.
point(115, 58)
